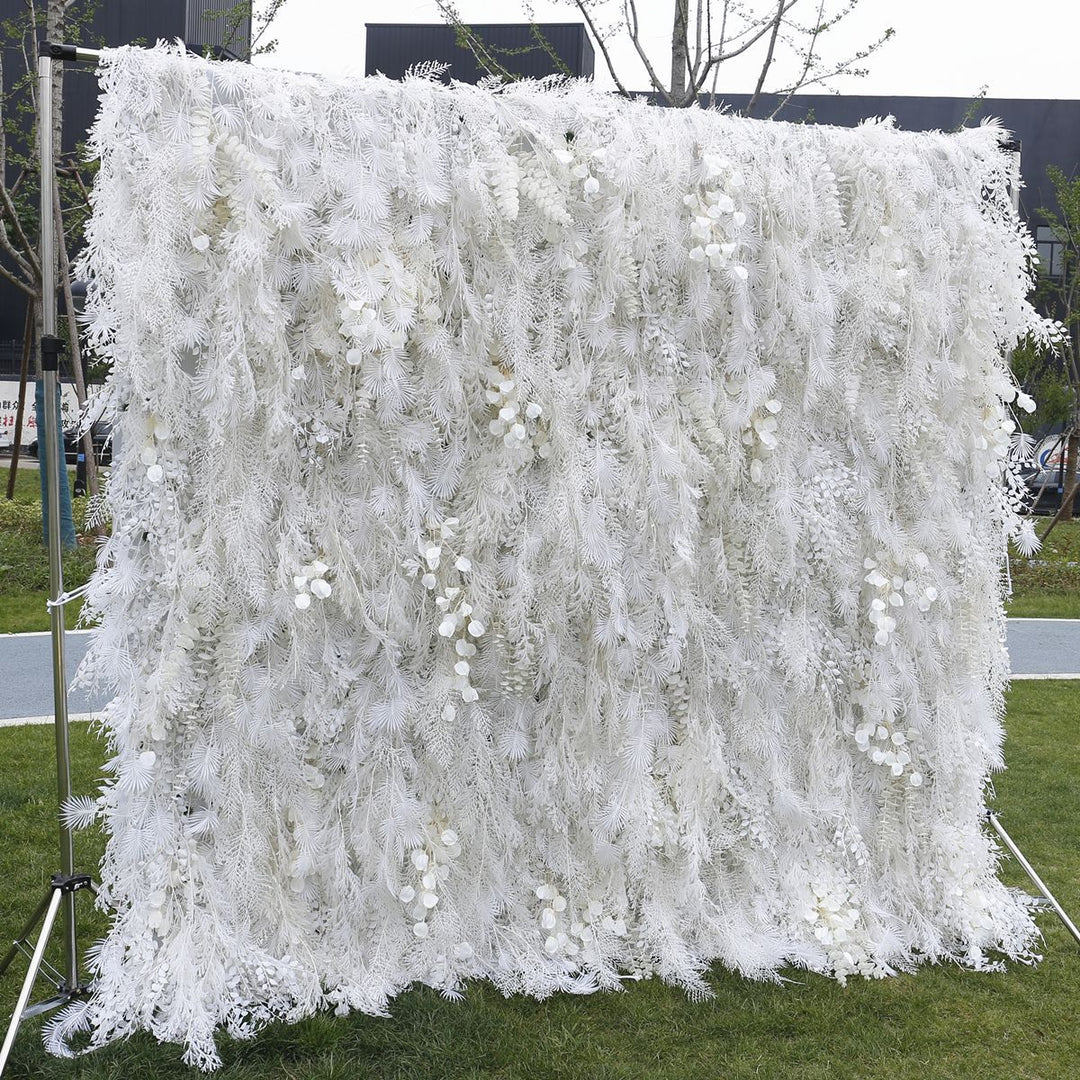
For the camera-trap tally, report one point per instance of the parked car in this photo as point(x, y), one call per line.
point(100, 435)
point(1046, 479)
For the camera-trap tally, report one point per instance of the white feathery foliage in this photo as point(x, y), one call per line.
point(554, 539)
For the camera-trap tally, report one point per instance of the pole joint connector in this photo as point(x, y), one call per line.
point(57, 50)
point(69, 883)
point(51, 348)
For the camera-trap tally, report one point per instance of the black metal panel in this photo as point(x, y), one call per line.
point(392, 48)
point(223, 28)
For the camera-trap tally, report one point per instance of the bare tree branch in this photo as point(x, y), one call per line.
point(28, 258)
point(843, 68)
point(697, 56)
point(602, 45)
point(469, 39)
point(18, 282)
point(719, 46)
point(29, 272)
point(779, 18)
point(757, 35)
point(701, 4)
point(630, 13)
point(808, 61)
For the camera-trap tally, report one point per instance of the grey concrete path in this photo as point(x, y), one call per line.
point(26, 674)
point(1044, 647)
point(1040, 649)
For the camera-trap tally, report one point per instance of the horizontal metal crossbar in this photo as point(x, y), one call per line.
point(59, 51)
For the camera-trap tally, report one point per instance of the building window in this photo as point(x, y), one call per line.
point(1051, 252)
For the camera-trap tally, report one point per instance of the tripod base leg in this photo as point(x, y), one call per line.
point(1028, 869)
point(19, 943)
point(31, 976)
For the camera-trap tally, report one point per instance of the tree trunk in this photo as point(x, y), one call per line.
point(73, 341)
point(54, 31)
point(24, 374)
point(1072, 460)
point(1068, 484)
point(679, 59)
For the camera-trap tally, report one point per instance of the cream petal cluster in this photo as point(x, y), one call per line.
point(432, 865)
point(311, 582)
point(836, 923)
point(716, 223)
point(889, 747)
point(517, 422)
point(574, 939)
point(459, 622)
point(761, 436)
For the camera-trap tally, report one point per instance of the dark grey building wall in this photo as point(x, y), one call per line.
point(392, 48)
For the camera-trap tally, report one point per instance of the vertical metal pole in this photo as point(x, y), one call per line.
point(55, 476)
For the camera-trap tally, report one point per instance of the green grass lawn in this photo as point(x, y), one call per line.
point(24, 559)
point(941, 1024)
point(1048, 586)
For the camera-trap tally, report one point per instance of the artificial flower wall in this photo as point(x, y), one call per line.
point(556, 540)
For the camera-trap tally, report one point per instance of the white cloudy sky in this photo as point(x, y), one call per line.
point(941, 47)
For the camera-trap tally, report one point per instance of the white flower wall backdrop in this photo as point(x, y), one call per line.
point(555, 540)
